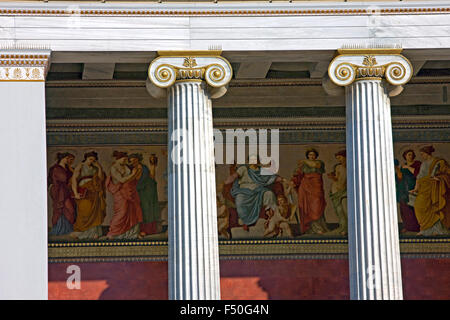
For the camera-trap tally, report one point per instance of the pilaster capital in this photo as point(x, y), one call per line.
point(175, 66)
point(24, 64)
point(367, 64)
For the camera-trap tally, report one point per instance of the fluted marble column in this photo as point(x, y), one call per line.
point(191, 79)
point(374, 254)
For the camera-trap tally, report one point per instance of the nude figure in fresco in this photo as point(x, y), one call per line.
point(338, 192)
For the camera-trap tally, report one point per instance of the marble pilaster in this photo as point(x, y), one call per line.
point(23, 186)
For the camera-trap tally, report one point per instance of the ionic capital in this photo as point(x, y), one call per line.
point(173, 66)
point(24, 65)
point(366, 64)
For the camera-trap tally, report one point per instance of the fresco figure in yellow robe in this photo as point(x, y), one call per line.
point(432, 204)
point(88, 187)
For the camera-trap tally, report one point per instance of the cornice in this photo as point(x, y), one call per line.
point(24, 64)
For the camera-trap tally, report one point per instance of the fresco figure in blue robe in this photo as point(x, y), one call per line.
point(251, 191)
point(148, 194)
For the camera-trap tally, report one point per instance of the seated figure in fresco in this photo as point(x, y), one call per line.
point(251, 191)
point(148, 193)
point(89, 193)
point(405, 180)
point(311, 199)
point(277, 224)
point(432, 205)
point(63, 205)
point(338, 192)
point(122, 183)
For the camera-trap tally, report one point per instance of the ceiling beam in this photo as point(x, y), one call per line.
point(253, 70)
point(98, 71)
point(417, 65)
point(319, 69)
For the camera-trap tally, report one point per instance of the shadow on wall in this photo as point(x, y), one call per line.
point(285, 279)
point(245, 279)
point(240, 279)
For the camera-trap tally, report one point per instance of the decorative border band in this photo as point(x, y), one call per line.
point(233, 83)
point(225, 12)
point(233, 242)
point(245, 249)
point(244, 257)
point(26, 66)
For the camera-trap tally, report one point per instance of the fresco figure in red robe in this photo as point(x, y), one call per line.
point(311, 197)
point(122, 183)
point(63, 205)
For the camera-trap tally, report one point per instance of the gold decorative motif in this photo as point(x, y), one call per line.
point(369, 61)
point(190, 62)
point(241, 249)
point(377, 63)
point(258, 12)
point(17, 74)
point(23, 67)
point(206, 65)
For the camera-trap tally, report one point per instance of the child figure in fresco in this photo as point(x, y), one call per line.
point(277, 225)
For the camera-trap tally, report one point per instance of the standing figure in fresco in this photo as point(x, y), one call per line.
point(223, 215)
point(148, 193)
point(251, 191)
point(405, 179)
point(311, 199)
point(227, 216)
point(62, 202)
point(122, 183)
point(89, 192)
point(432, 205)
point(338, 192)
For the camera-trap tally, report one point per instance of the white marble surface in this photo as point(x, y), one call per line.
point(23, 191)
point(193, 237)
point(239, 32)
point(374, 251)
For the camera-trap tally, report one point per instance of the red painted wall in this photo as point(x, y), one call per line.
point(246, 279)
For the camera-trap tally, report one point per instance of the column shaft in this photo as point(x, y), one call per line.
point(374, 254)
point(23, 191)
point(193, 243)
